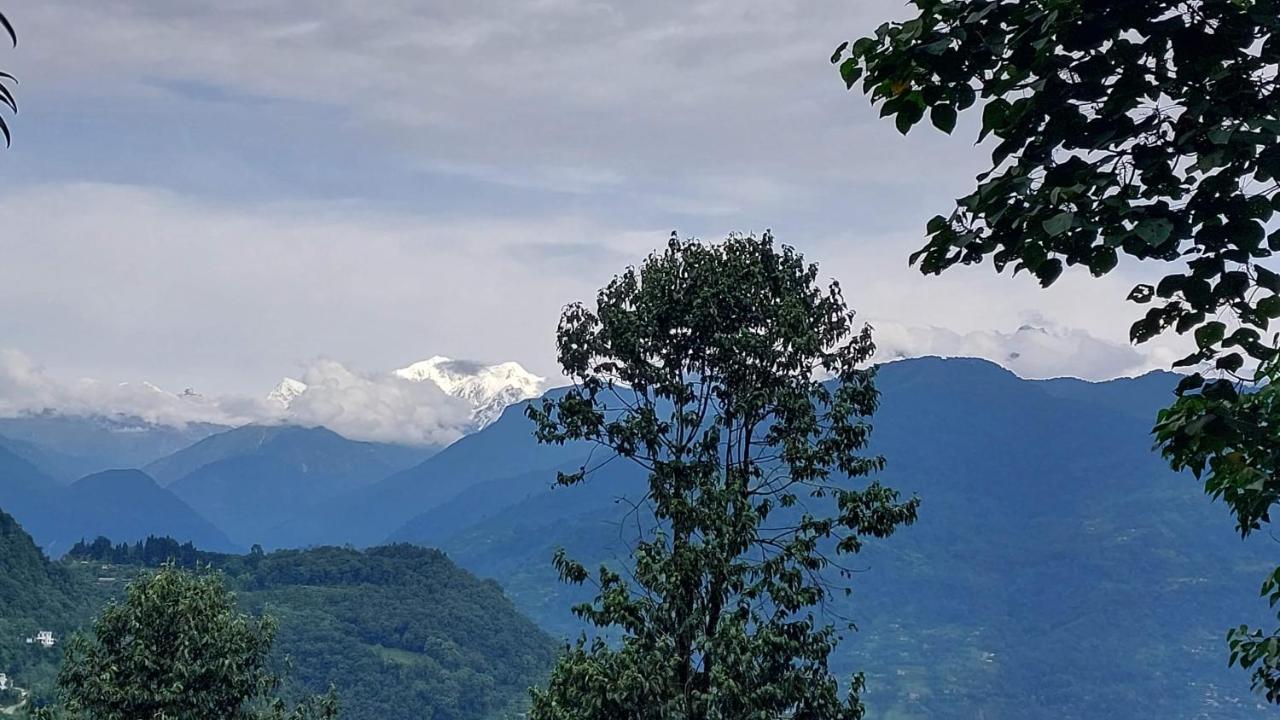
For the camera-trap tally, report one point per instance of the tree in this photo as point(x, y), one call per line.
point(1148, 129)
point(6, 95)
point(177, 648)
point(705, 366)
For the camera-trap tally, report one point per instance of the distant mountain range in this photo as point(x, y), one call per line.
point(66, 447)
point(1059, 568)
point(488, 389)
point(252, 479)
point(114, 503)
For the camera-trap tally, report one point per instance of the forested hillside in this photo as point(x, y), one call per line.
point(37, 595)
point(399, 631)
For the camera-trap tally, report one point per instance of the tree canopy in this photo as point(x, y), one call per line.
point(708, 366)
point(1147, 129)
point(177, 647)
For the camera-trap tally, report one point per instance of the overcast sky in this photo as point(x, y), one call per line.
point(218, 194)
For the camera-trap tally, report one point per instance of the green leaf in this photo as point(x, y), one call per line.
point(944, 118)
point(1210, 334)
point(1269, 307)
point(850, 72)
point(1155, 231)
point(1103, 261)
point(1220, 136)
point(1142, 294)
point(1049, 271)
point(1267, 279)
point(1059, 223)
point(994, 116)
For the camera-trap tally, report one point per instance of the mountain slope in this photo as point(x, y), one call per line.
point(1059, 569)
point(27, 493)
point(129, 505)
point(57, 465)
point(252, 479)
point(310, 449)
point(102, 443)
point(368, 515)
point(36, 595)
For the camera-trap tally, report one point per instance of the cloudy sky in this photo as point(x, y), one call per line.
point(218, 194)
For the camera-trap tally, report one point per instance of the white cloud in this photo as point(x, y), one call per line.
point(719, 104)
point(361, 406)
point(378, 407)
point(27, 387)
point(109, 280)
point(1031, 351)
point(573, 135)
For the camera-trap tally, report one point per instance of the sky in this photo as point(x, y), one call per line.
point(215, 195)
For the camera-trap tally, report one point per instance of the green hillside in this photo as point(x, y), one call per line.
point(400, 631)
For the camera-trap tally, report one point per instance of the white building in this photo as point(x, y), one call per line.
point(4, 682)
point(44, 638)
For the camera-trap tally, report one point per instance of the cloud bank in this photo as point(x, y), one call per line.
point(381, 406)
point(1035, 350)
point(361, 406)
point(378, 406)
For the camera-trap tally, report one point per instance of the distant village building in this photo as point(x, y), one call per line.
point(4, 682)
point(43, 638)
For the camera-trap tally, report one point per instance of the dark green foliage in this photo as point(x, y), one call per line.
point(701, 366)
point(1146, 128)
point(1149, 129)
point(153, 552)
point(177, 647)
point(34, 595)
point(1231, 440)
point(400, 632)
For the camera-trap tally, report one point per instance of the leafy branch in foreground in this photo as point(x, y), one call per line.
point(705, 366)
point(6, 94)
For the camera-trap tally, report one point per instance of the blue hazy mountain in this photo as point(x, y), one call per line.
point(320, 449)
point(130, 505)
point(60, 466)
point(124, 504)
point(83, 444)
point(368, 515)
point(1059, 568)
point(251, 479)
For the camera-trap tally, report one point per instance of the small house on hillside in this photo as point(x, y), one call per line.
point(4, 682)
point(43, 638)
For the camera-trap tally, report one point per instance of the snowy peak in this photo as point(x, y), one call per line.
point(488, 388)
point(285, 392)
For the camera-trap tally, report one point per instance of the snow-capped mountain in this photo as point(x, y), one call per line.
point(488, 388)
point(285, 392)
